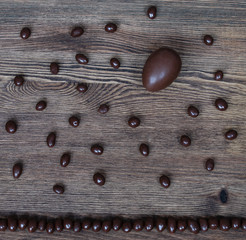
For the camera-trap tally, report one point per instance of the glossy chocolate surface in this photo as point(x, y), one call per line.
point(171, 225)
point(149, 224)
point(77, 227)
point(106, 225)
point(218, 75)
point(160, 224)
point(164, 181)
point(209, 165)
point(67, 223)
point(42, 224)
point(12, 223)
point(144, 149)
point(97, 149)
point(3, 225)
point(138, 225)
point(51, 140)
point(127, 227)
point(59, 225)
point(41, 105)
point(208, 40)
point(77, 32)
point(231, 135)
point(96, 226)
point(25, 33)
point(104, 108)
point(225, 224)
point(244, 224)
point(32, 225)
point(59, 189)
point(193, 226)
point(152, 12)
point(17, 170)
point(181, 225)
point(50, 228)
point(19, 80)
point(11, 127)
point(86, 224)
point(65, 159)
point(235, 223)
point(133, 122)
point(161, 69)
point(82, 87)
point(99, 179)
point(203, 224)
point(193, 111)
point(117, 223)
point(73, 121)
point(221, 104)
point(22, 223)
point(213, 223)
point(54, 68)
point(185, 141)
point(110, 27)
point(115, 63)
point(81, 59)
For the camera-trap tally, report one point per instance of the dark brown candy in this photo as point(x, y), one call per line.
point(42, 224)
point(181, 225)
point(50, 228)
point(161, 69)
point(65, 159)
point(74, 121)
point(106, 225)
point(209, 165)
point(213, 223)
point(59, 225)
point(231, 135)
point(221, 104)
point(22, 223)
point(185, 141)
point(17, 170)
point(193, 226)
point(86, 224)
point(164, 181)
point(82, 87)
point(149, 224)
point(127, 227)
point(115, 63)
point(25, 33)
point(41, 105)
point(77, 226)
point(103, 108)
point(97, 149)
point(11, 127)
point(19, 80)
point(151, 12)
point(208, 40)
point(67, 223)
point(99, 179)
point(12, 223)
point(203, 224)
point(138, 225)
point(225, 224)
point(77, 32)
point(110, 27)
point(3, 225)
point(235, 223)
point(244, 224)
point(144, 149)
point(133, 122)
point(32, 225)
point(171, 225)
point(193, 111)
point(218, 75)
point(160, 224)
point(96, 226)
point(51, 140)
point(59, 189)
point(117, 223)
point(54, 68)
point(81, 59)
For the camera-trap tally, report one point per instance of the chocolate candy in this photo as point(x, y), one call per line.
point(12, 223)
point(67, 223)
point(99, 179)
point(81, 59)
point(161, 69)
point(221, 104)
point(171, 225)
point(209, 164)
point(59, 225)
point(103, 108)
point(193, 111)
point(86, 224)
point(77, 226)
point(11, 127)
point(133, 122)
point(115, 63)
point(65, 159)
point(164, 181)
point(17, 170)
point(19, 80)
point(193, 226)
point(231, 135)
point(32, 225)
point(218, 75)
point(235, 223)
point(25, 33)
point(59, 189)
point(111, 27)
point(244, 224)
point(151, 12)
point(41, 105)
point(225, 224)
point(97, 149)
point(160, 224)
point(223, 196)
point(106, 225)
point(144, 149)
point(203, 224)
point(73, 121)
point(82, 87)
point(185, 141)
point(96, 226)
point(22, 223)
point(77, 32)
point(208, 40)
point(50, 228)
point(42, 224)
point(149, 224)
point(54, 68)
point(181, 225)
point(127, 227)
point(3, 225)
point(51, 140)
point(117, 223)
point(138, 225)
point(213, 223)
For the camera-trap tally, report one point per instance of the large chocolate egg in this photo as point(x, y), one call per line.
point(161, 69)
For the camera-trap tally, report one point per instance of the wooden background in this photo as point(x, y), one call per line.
point(132, 187)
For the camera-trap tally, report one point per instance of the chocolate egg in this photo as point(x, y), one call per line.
point(161, 69)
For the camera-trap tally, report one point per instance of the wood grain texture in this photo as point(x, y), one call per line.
point(132, 187)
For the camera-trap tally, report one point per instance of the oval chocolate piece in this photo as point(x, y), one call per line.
point(25, 33)
point(17, 170)
point(51, 140)
point(11, 126)
point(77, 32)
